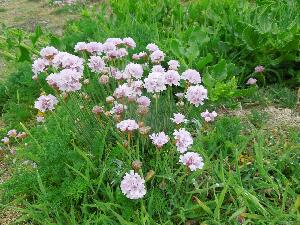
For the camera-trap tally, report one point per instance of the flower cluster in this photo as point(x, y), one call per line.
point(129, 87)
point(209, 117)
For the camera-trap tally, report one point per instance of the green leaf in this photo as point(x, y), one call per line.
point(37, 34)
point(25, 55)
point(203, 61)
point(219, 71)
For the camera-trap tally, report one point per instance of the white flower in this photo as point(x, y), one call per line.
point(159, 139)
point(196, 95)
point(192, 76)
point(45, 103)
point(172, 77)
point(133, 70)
point(209, 117)
point(157, 56)
point(133, 185)
point(192, 160)
point(127, 125)
point(179, 118)
point(183, 140)
point(155, 82)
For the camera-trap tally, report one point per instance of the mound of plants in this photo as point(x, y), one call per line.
point(136, 130)
point(125, 137)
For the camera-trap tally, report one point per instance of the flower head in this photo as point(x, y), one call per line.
point(192, 76)
point(40, 119)
point(259, 69)
point(196, 95)
point(158, 68)
point(144, 101)
point(152, 47)
point(127, 125)
point(39, 66)
point(159, 139)
point(209, 117)
point(133, 185)
point(251, 81)
point(48, 52)
point(5, 140)
point(155, 82)
point(179, 118)
point(157, 56)
point(67, 80)
point(172, 77)
point(129, 42)
point(192, 160)
point(12, 133)
point(133, 70)
point(96, 64)
point(173, 65)
point(183, 140)
point(45, 103)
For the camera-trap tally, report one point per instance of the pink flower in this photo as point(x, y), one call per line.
point(192, 76)
point(48, 52)
point(155, 82)
point(45, 103)
point(157, 56)
point(158, 68)
point(251, 81)
point(40, 119)
point(133, 185)
point(209, 117)
point(80, 46)
point(97, 110)
point(94, 47)
point(128, 125)
point(12, 133)
point(39, 65)
point(129, 42)
point(108, 47)
point(22, 135)
point(115, 41)
point(196, 95)
point(179, 118)
point(133, 70)
point(118, 108)
point(67, 80)
point(139, 55)
point(173, 65)
point(103, 79)
point(192, 160)
point(159, 139)
point(172, 77)
point(5, 140)
point(122, 91)
point(144, 101)
point(259, 69)
point(183, 140)
point(66, 60)
point(152, 47)
point(96, 64)
point(179, 95)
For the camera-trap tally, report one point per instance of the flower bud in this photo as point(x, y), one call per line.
point(149, 175)
point(86, 81)
point(136, 165)
point(103, 79)
point(110, 99)
point(144, 130)
point(142, 110)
